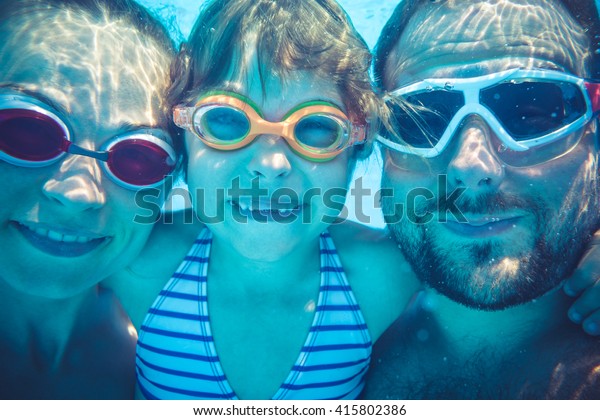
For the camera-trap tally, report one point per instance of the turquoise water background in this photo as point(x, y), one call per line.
point(368, 16)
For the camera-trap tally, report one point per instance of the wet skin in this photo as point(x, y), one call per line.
point(66, 226)
point(495, 326)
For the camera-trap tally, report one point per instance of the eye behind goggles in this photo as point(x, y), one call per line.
point(31, 136)
point(315, 130)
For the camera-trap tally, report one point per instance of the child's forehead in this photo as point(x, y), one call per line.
point(275, 90)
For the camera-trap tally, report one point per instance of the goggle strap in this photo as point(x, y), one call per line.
point(359, 134)
point(181, 117)
point(76, 150)
point(593, 90)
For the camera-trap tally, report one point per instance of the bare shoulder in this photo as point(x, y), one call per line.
point(379, 275)
point(576, 374)
point(138, 285)
point(116, 326)
point(357, 239)
point(106, 337)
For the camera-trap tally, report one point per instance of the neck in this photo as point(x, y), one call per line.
point(504, 329)
point(264, 276)
point(41, 328)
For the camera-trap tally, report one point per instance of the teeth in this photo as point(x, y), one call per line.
point(41, 232)
point(247, 209)
point(59, 237)
point(55, 236)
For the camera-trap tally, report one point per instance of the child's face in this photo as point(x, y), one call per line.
point(294, 199)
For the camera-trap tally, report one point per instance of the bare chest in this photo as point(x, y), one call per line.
point(258, 342)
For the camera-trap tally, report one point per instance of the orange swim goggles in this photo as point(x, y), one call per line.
point(316, 130)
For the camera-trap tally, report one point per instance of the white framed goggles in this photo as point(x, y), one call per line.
point(316, 130)
point(528, 109)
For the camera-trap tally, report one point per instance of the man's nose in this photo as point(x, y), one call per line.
point(474, 164)
point(76, 184)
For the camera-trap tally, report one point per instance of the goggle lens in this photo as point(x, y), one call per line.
point(30, 136)
point(531, 109)
point(319, 131)
point(139, 162)
point(223, 124)
point(423, 123)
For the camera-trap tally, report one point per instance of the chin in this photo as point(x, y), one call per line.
point(491, 278)
point(52, 286)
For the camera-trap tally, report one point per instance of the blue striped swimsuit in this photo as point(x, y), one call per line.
point(176, 356)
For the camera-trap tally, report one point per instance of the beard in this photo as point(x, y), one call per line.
point(499, 272)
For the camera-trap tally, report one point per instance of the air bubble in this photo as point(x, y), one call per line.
point(422, 335)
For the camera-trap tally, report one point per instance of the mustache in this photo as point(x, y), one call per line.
point(487, 203)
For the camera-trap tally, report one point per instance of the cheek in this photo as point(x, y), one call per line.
point(556, 180)
point(132, 211)
point(203, 169)
point(403, 179)
point(332, 175)
point(206, 167)
point(22, 189)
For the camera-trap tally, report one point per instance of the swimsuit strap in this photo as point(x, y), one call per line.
point(176, 355)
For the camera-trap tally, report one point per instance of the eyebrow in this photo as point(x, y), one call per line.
point(126, 126)
point(37, 95)
point(162, 133)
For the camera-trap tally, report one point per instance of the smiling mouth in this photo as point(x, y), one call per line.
point(266, 211)
point(483, 227)
point(59, 243)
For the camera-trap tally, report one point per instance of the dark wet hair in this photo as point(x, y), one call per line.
point(583, 11)
point(289, 35)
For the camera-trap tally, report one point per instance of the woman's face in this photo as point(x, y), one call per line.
point(264, 200)
point(68, 225)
